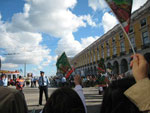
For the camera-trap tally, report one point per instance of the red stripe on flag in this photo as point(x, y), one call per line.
point(127, 28)
point(100, 69)
point(69, 73)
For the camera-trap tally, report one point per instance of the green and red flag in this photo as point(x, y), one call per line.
point(69, 72)
point(122, 10)
point(63, 64)
point(101, 66)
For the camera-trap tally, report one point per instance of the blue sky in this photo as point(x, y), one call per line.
point(40, 30)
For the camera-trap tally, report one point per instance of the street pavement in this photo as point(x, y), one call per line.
point(93, 100)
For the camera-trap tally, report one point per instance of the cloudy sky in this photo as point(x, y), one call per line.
point(35, 32)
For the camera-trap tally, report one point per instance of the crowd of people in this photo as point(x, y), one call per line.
point(122, 95)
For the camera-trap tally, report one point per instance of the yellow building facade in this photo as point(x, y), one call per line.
point(114, 47)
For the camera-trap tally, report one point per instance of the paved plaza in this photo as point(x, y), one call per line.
point(93, 100)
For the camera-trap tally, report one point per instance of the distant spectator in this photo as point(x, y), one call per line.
point(20, 84)
point(63, 81)
point(3, 80)
point(34, 81)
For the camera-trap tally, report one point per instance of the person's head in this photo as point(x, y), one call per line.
point(18, 105)
point(42, 73)
point(20, 77)
point(3, 76)
point(114, 100)
point(64, 100)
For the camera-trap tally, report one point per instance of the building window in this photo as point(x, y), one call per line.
point(114, 50)
point(87, 58)
point(143, 22)
point(132, 41)
point(122, 46)
point(131, 29)
point(121, 35)
point(102, 51)
point(98, 53)
point(113, 39)
point(145, 38)
point(90, 57)
point(94, 54)
point(108, 52)
point(107, 43)
point(84, 59)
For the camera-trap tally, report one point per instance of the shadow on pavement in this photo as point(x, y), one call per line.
point(36, 111)
point(90, 109)
point(37, 108)
point(93, 109)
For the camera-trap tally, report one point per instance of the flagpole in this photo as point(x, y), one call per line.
point(128, 38)
point(123, 30)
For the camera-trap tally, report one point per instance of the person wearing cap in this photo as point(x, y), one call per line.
point(43, 87)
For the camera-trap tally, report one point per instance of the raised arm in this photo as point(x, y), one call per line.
point(139, 93)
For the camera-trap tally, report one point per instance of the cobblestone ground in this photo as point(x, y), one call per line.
point(93, 100)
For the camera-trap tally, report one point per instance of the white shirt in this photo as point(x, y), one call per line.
point(79, 90)
point(63, 80)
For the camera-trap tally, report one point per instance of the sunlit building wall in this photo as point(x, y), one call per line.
point(114, 46)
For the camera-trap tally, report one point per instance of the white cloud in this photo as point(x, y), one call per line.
point(87, 41)
point(26, 10)
point(55, 18)
point(26, 45)
point(108, 21)
point(2, 58)
point(72, 47)
point(55, 58)
point(97, 4)
point(137, 4)
point(39, 68)
point(9, 65)
point(49, 60)
point(22, 35)
point(69, 45)
point(22, 47)
point(89, 20)
point(0, 16)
